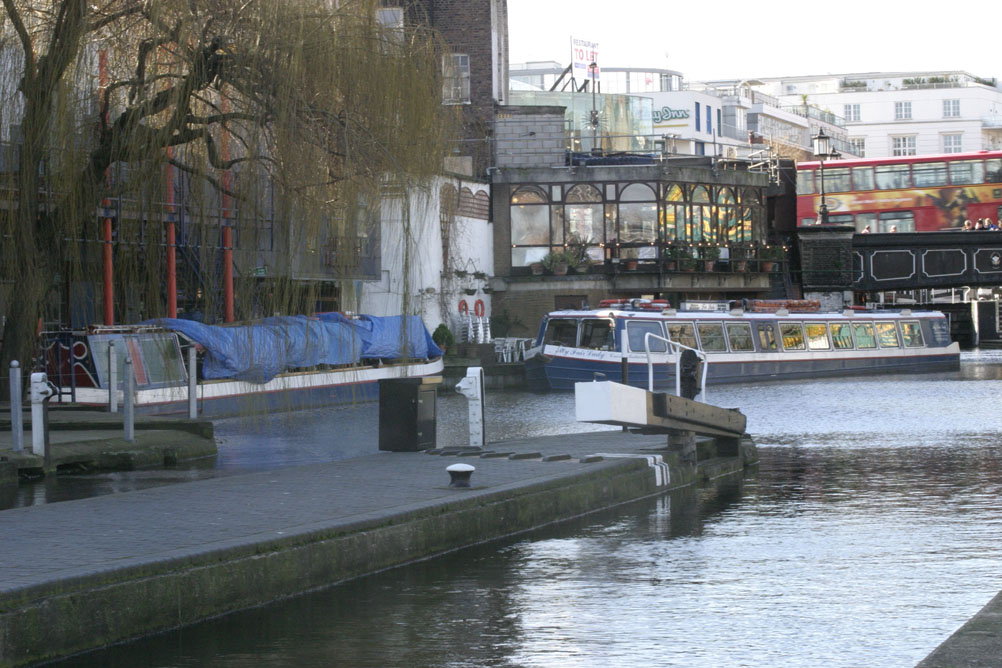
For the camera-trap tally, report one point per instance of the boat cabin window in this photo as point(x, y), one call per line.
point(911, 334)
point(817, 336)
point(561, 332)
point(841, 335)
point(739, 335)
point(887, 335)
point(766, 337)
point(939, 332)
point(682, 332)
point(863, 331)
point(637, 331)
point(793, 335)
point(711, 337)
point(597, 334)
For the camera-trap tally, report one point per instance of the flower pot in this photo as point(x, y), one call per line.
point(670, 265)
point(767, 265)
point(708, 265)
point(560, 269)
point(631, 265)
point(740, 265)
point(537, 268)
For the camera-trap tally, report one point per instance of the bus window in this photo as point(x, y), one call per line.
point(840, 219)
point(793, 335)
point(967, 172)
point(739, 335)
point(637, 331)
point(863, 331)
point(887, 335)
point(892, 177)
point(841, 335)
point(911, 333)
point(994, 171)
point(682, 332)
point(817, 336)
point(597, 334)
point(806, 222)
point(862, 178)
point(711, 337)
point(864, 220)
point(837, 180)
point(929, 175)
point(805, 182)
point(900, 221)
point(561, 332)
point(766, 338)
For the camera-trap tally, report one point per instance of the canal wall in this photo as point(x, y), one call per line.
point(976, 644)
point(84, 574)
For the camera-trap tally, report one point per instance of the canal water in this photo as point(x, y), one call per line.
point(870, 532)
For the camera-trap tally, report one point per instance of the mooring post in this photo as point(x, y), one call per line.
point(684, 443)
point(112, 378)
point(40, 391)
point(192, 384)
point(16, 416)
point(128, 408)
point(472, 387)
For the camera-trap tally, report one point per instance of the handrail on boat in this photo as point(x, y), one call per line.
point(676, 348)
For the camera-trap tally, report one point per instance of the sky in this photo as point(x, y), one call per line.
point(725, 39)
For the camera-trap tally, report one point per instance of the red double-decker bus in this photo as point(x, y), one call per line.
point(920, 193)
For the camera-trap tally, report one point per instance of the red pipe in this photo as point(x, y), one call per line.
point(228, 271)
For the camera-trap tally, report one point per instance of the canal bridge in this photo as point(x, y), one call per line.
point(835, 257)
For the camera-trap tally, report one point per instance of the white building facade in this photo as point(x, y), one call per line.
point(891, 114)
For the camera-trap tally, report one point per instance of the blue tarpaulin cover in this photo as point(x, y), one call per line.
point(260, 351)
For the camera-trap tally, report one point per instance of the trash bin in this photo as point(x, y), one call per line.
point(407, 413)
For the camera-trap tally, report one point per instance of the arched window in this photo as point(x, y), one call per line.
point(752, 216)
point(701, 227)
point(638, 222)
point(530, 226)
point(727, 217)
point(675, 214)
point(583, 216)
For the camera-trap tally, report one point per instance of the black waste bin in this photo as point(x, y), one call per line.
point(407, 413)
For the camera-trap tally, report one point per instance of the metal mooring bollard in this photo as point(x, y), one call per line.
point(112, 378)
point(40, 391)
point(472, 387)
point(16, 416)
point(129, 407)
point(459, 475)
point(192, 384)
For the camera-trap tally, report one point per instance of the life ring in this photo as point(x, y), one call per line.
point(464, 308)
point(479, 309)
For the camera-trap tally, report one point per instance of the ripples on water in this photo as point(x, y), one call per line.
point(870, 533)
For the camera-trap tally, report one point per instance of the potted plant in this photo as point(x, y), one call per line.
point(577, 254)
point(672, 255)
point(710, 255)
point(443, 337)
point(556, 262)
point(769, 256)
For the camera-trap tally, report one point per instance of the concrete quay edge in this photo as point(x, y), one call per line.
point(56, 614)
point(976, 644)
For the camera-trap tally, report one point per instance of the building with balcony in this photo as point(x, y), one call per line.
point(890, 114)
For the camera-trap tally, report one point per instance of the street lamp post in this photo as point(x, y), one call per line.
point(593, 74)
point(823, 149)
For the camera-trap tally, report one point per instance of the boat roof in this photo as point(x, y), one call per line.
point(738, 314)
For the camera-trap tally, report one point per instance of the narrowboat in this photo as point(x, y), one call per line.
point(281, 363)
point(747, 341)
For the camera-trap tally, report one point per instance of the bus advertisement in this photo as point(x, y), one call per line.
point(903, 194)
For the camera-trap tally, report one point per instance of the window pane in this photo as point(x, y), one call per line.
point(528, 195)
point(841, 336)
point(994, 171)
point(701, 194)
point(583, 193)
point(864, 220)
point(711, 336)
point(911, 333)
point(766, 337)
point(682, 332)
point(864, 335)
point(637, 192)
point(837, 180)
point(887, 335)
point(817, 336)
point(561, 332)
point(793, 335)
point(584, 221)
point(597, 335)
point(890, 177)
point(739, 335)
point(805, 182)
point(862, 178)
point(638, 222)
point(931, 174)
point(637, 332)
point(530, 225)
point(967, 172)
point(896, 221)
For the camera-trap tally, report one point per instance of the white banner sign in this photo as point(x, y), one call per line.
point(583, 54)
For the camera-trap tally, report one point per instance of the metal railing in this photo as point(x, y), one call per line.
point(676, 352)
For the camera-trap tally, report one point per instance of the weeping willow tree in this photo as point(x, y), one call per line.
point(282, 119)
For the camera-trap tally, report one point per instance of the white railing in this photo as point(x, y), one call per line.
point(676, 351)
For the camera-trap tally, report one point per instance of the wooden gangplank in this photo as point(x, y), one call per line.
point(611, 403)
